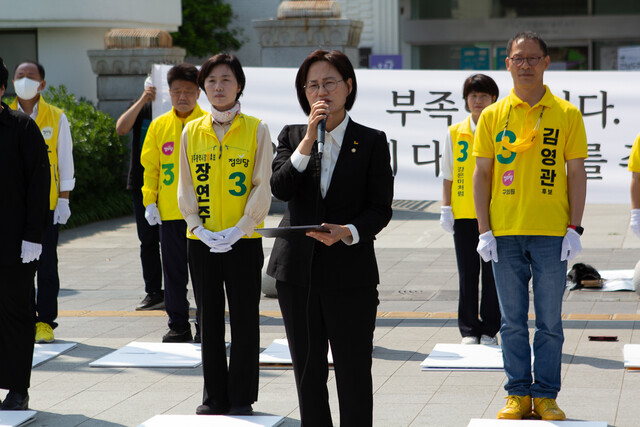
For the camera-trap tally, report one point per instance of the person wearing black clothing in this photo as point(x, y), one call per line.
point(137, 118)
point(24, 163)
point(327, 282)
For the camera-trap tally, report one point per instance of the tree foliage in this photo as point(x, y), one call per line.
point(204, 29)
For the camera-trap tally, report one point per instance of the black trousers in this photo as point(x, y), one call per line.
point(17, 326)
point(46, 297)
point(173, 245)
point(345, 318)
point(149, 237)
point(239, 273)
point(470, 265)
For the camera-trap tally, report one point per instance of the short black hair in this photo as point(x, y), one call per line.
point(185, 71)
point(336, 58)
point(479, 83)
point(4, 74)
point(220, 59)
point(37, 64)
point(528, 35)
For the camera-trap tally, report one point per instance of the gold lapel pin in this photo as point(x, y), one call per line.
point(353, 150)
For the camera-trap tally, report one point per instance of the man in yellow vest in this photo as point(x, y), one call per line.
point(529, 189)
point(160, 158)
point(29, 82)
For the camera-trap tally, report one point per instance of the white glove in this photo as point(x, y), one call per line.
point(30, 251)
point(152, 214)
point(634, 225)
point(229, 237)
point(571, 246)
point(62, 212)
point(446, 218)
point(488, 247)
point(207, 237)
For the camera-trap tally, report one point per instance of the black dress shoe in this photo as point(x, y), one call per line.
point(15, 402)
point(153, 301)
point(211, 409)
point(241, 410)
point(178, 336)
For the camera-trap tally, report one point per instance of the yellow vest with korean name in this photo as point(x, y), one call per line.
point(48, 120)
point(222, 172)
point(464, 164)
point(160, 158)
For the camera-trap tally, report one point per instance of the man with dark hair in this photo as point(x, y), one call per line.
point(160, 157)
point(29, 82)
point(26, 167)
point(529, 192)
point(137, 119)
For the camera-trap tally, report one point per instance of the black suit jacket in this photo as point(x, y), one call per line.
point(24, 169)
point(360, 193)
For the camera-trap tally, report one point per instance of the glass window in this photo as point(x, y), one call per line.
point(23, 46)
point(468, 9)
point(617, 7)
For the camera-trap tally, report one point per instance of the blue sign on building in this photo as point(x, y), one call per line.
point(385, 62)
point(474, 58)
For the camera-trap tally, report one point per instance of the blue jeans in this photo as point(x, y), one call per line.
point(520, 258)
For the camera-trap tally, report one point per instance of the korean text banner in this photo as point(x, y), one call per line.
point(414, 108)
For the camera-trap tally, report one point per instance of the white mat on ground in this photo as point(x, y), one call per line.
point(16, 418)
point(534, 423)
point(464, 357)
point(277, 355)
point(212, 421)
point(44, 352)
point(632, 356)
point(615, 280)
point(152, 355)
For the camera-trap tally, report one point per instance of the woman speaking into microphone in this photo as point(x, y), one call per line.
point(327, 281)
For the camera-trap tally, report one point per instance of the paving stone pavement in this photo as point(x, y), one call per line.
point(102, 283)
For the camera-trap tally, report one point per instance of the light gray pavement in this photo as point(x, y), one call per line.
point(102, 283)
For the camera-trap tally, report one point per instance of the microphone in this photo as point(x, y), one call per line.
point(321, 130)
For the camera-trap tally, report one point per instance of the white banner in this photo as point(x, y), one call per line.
point(414, 108)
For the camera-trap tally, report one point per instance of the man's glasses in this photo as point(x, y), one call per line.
point(518, 61)
point(329, 85)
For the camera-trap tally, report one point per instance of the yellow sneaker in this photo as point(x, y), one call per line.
point(516, 408)
point(44, 332)
point(547, 409)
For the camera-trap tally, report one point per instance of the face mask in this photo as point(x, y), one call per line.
point(26, 88)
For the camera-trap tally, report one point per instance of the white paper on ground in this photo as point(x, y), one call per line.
point(16, 418)
point(614, 280)
point(631, 355)
point(476, 422)
point(277, 354)
point(152, 355)
point(213, 421)
point(464, 357)
point(44, 352)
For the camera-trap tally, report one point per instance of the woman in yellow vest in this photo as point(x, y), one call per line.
point(224, 194)
point(458, 216)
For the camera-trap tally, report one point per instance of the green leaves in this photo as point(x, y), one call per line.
point(100, 158)
point(204, 28)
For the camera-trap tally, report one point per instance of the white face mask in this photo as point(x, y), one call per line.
point(26, 88)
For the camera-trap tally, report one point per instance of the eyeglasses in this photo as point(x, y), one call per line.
point(329, 85)
point(518, 61)
point(188, 93)
point(521, 144)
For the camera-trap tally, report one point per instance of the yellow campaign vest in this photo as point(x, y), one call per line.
point(634, 158)
point(464, 164)
point(222, 172)
point(160, 157)
point(48, 120)
point(529, 189)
